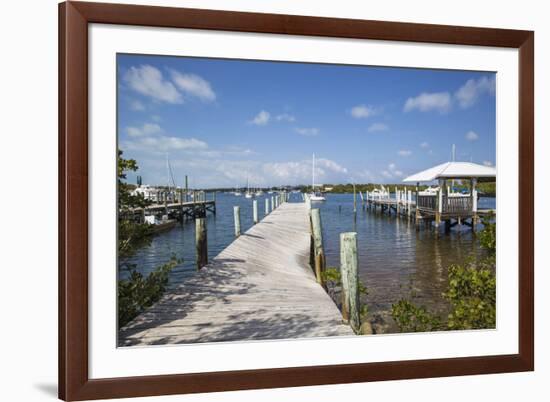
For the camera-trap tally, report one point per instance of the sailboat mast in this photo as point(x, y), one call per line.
point(313, 174)
point(167, 173)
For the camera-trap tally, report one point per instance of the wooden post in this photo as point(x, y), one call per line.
point(166, 203)
point(186, 189)
point(266, 206)
point(473, 195)
point(350, 280)
point(319, 252)
point(439, 203)
point(201, 242)
point(272, 203)
point(237, 217)
point(354, 199)
point(255, 210)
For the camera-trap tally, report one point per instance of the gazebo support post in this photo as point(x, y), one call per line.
point(473, 196)
point(439, 204)
point(416, 210)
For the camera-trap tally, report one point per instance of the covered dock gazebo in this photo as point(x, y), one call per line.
point(443, 204)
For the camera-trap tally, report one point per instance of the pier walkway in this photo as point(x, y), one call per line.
point(260, 287)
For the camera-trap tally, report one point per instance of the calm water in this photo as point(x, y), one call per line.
point(395, 260)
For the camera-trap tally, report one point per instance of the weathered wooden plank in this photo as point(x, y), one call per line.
point(260, 287)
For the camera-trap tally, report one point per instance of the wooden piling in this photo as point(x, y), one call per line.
point(350, 280)
point(354, 199)
point(319, 252)
point(237, 217)
point(255, 211)
point(201, 242)
point(186, 189)
point(272, 203)
point(267, 206)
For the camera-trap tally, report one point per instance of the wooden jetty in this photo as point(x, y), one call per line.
point(425, 209)
point(261, 286)
point(177, 210)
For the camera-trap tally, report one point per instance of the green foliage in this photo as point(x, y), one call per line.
point(348, 188)
point(332, 275)
point(471, 292)
point(411, 318)
point(131, 234)
point(126, 200)
point(138, 292)
point(488, 236)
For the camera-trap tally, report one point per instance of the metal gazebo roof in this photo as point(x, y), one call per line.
point(455, 170)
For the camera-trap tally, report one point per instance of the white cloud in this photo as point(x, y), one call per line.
point(404, 152)
point(425, 102)
point(163, 143)
point(307, 132)
point(468, 94)
point(136, 106)
point(330, 165)
point(149, 81)
point(193, 85)
point(424, 145)
point(156, 118)
point(363, 111)
point(392, 172)
point(488, 163)
point(146, 129)
point(285, 117)
point(472, 136)
point(215, 168)
point(326, 170)
point(377, 127)
point(261, 119)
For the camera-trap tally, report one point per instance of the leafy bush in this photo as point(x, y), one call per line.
point(411, 318)
point(139, 292)
point(131, 234)
point(471, 292)
point(488, 236)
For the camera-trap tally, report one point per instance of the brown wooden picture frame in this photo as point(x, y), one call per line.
point(74, 381)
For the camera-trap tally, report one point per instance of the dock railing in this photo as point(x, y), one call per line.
point(454, 204)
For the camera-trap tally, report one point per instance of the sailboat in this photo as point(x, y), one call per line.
point(315, 195)
point(237, 192)
point(248, 193)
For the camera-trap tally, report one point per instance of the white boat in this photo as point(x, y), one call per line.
point(248, 194)
point(315, 195)
point(429, 191)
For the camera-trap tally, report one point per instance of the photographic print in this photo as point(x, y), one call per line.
point(262, 200)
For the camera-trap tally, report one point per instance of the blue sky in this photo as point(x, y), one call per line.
point(219, 121)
